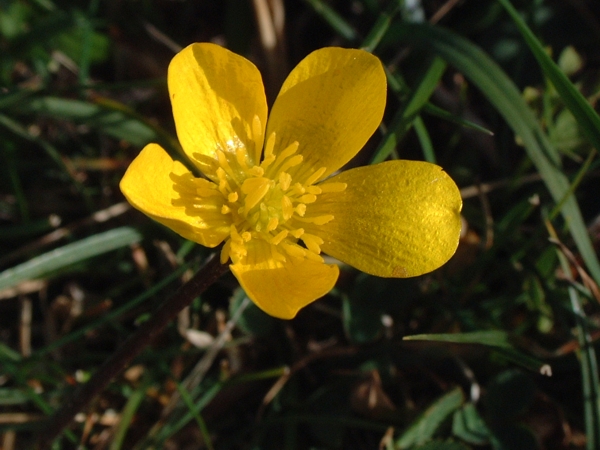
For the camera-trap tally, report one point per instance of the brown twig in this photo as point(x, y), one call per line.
point(166, 312)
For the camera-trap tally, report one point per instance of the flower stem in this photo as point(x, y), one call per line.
point(165, 313)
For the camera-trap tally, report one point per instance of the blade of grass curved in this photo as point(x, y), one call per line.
point(586, 117)
point(506, 98)
point(59, 258)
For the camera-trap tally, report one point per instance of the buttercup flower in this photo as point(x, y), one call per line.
point(267, 189)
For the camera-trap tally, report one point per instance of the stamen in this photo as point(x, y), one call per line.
point(294, 250)
point(225, 251)
point(273, 223)
point(241, 156)
point(246, 236)
point(212, 191)
point(301, 209)
point(207, 164)
point(287, 208)
point(270, 146)
point(255, 189)
point(297, 232)
point(276, 255)
point(223, 184)
point(315, 176)
point(257, 137)
point(225, 165)
point(289, 150)
point(225, 209)
point(313, 190)
point(256, 171)
point(319, 220)
point(279, 237)
point(292, 162)
point(285, 179)
point(313, 257)
point(308, 198)
point(312, 242)
point(333, 187)
point(298, 189)
point(233, 197)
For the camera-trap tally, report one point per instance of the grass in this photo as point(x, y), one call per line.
point(495, 350)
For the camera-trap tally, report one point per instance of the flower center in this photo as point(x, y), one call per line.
point(263, 200)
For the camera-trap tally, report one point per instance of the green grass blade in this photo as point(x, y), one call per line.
point(588, 361)
point(406, 115)
point(380, 28)
point(506, 98)
point(334, 20)
point(424, 428)
point(189, 402)
point(133, 403)
point(494, 338)
point(424, 140)
point(113, 123)
point(588, 119)
point(62, 257)
point(497, 340)
point(448, 116)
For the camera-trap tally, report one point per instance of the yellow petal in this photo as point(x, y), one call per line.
point(331, 103)
point(281, 289)
point(395, 219)
point(216, 95)
point(155, 184)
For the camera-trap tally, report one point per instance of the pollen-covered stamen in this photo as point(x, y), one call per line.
point(258, 138)
point(255, 189)
point(264, 201)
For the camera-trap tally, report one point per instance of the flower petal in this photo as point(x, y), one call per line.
point(395, 219)
point(331, 103)
point(215, 96)
point(281, 289)
point(156, 185)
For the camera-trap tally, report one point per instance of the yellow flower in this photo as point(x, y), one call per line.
point(267, 189)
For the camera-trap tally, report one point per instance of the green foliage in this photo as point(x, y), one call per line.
point(496, 350)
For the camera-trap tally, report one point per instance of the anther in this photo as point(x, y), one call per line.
point(270, 146)
point(287, 208)
point(257, 137)
point(333, 187)
point(316, 176)
point(297, 232)
point(273, 223)
point(255, 189)
point(285, 179)
point(308, 198)
point(279, 237)
point(292, 162)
